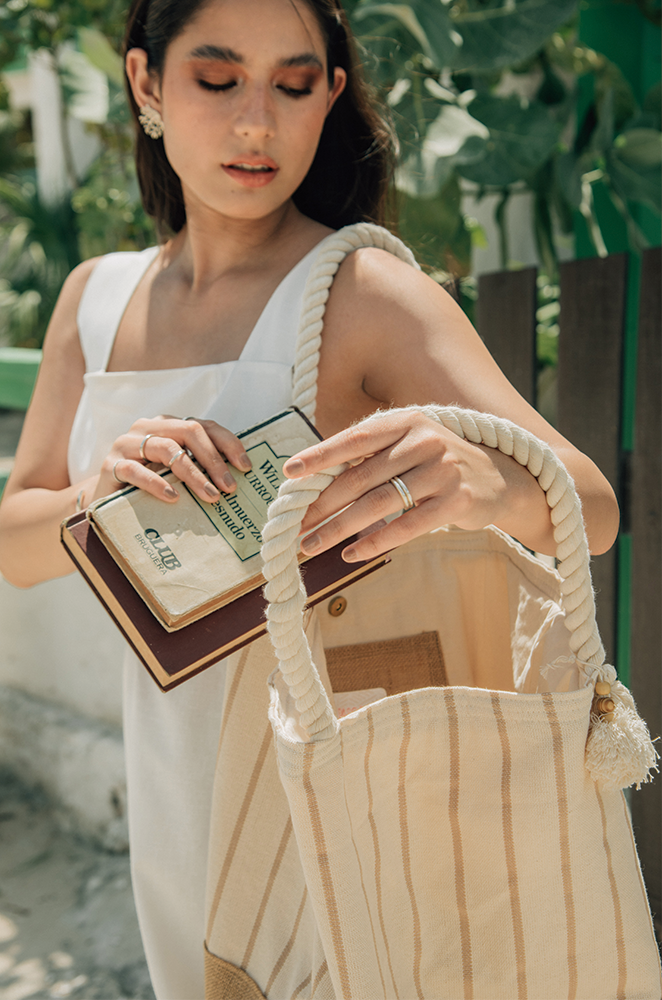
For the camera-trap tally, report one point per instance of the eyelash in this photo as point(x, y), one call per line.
point(220, 87)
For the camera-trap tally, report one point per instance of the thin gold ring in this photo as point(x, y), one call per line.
point(178, 454)
point(405, 495)
point(117, 479)
point(143, 456)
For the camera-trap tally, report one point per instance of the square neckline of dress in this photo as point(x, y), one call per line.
point(252, 336)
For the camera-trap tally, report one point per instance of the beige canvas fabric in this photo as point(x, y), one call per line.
point(446, 842)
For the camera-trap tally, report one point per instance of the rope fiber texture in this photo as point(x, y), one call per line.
point(619, 752)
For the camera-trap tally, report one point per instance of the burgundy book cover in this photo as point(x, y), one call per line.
point(172, 657)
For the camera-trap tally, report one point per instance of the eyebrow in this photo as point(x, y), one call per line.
point(223, 54)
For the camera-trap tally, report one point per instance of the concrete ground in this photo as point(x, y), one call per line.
point(68, 925)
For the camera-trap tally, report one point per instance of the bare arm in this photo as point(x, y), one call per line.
point(39, 495)
point(393, 337)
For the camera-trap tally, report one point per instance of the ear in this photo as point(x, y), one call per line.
point(339, 83)
point(144, 83)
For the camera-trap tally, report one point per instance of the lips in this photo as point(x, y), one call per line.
point(251, 171)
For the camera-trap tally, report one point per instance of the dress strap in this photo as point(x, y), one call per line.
point(104, 300)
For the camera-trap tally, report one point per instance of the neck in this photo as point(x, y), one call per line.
point(209, 247)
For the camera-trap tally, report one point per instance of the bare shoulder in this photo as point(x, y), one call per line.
point(375, 296)
point(374, 289)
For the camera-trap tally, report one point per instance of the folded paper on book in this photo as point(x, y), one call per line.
point(191, 557)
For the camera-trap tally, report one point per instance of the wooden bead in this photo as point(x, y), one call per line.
point(605, 705)
point(602, 688)
point(608, 716)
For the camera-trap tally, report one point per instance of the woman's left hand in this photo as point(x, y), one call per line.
point(451, 481)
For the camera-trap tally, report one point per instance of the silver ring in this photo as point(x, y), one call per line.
point(405, 495)
point(143, 456)
point(178, 454)
point(117, 479)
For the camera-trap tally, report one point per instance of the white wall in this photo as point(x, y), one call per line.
point(58, 643)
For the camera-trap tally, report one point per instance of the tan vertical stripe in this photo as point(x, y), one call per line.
point(284, 840)
point(618, 915)
point(564, 836)
point(301, 987)
point(644, 897)
point(325, 871)
point(375, 844)
point(456, 834)
point(509, 844)
point(238, 827)
point(321, 973)
point(365, 896)
point(282, 958)
point(404, 840)
point(229, 700)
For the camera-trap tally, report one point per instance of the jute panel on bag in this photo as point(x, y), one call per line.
point(224, 981)
point(397, 665)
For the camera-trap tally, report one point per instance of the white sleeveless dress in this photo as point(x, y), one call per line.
point(171, 739)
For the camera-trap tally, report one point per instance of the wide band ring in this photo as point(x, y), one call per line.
point(178, 454)
point(117, 479)
point(144, 441)
point(406, 497)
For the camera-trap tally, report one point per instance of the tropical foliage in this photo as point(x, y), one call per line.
point(487, 96)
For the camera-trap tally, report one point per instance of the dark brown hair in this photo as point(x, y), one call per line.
point(349, 177)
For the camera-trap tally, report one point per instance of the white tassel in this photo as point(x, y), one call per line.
point(619, 750)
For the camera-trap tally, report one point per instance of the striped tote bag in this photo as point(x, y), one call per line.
point(467, 838)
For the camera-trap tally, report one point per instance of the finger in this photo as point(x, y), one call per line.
point(132, 473)
point(205, 439)
point(366, 438)
point(415, 522)
point(373, 506)
point(360, 480)
point(173, 454)
point(225, 442)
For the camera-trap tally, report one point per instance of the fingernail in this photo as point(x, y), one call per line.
point(293, 467)
point(311, 543)
point(170, 492)
point(228, 482)
point(244, 462)
point(211, 490)
point(349, 555)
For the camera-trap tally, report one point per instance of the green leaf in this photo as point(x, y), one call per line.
point(454, 137)
point(470, 35)
point(521, 138)
point(101, 54)
point(507, 33)
point(640, 147)
point(85, 88)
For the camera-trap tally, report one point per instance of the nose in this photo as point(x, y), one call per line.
point(255, 116)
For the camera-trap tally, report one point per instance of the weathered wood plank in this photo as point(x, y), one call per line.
point(646, 514)
point(589, 389)
point(506, 320)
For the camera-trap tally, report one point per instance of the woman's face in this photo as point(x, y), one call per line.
point(243, 96)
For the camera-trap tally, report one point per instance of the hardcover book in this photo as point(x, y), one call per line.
point(192, 557)
point(183, 581)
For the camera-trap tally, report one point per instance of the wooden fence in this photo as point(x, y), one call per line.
point(609, 401)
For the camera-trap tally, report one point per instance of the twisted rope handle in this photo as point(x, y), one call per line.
point(286, 595)
point(315, 297)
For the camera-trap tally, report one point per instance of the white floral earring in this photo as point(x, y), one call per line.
point(151, 121)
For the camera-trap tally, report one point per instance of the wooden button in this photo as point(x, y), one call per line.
point(337, 605)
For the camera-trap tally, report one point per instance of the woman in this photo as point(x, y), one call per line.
point(268, 145)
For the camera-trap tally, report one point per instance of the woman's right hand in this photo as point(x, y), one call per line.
point(166, 441)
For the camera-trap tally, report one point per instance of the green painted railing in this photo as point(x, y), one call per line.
point(18, 373)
